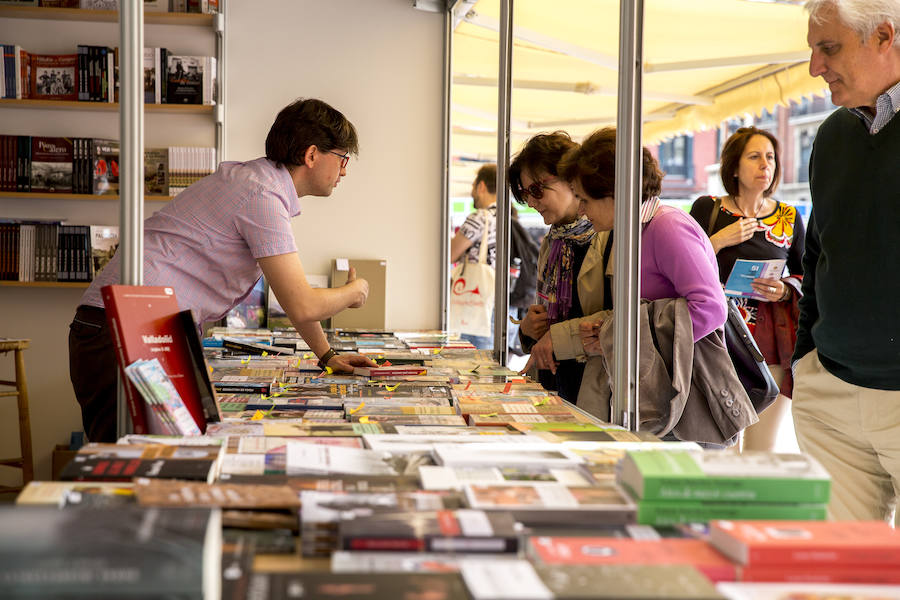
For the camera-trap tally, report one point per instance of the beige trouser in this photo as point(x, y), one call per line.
point(855, 433)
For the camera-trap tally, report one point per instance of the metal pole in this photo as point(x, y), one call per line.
point(501, 266)
point(445, 169)
point(131, 158)
point(626, 292)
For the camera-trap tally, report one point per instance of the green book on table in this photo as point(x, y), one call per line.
point(724, 477)
point(661, 513)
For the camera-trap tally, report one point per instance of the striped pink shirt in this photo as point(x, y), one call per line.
point(206, 241)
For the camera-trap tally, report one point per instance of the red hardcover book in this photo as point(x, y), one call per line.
point(620, 551)
point(145, 323)
point(778, 543)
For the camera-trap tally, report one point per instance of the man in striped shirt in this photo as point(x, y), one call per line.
point(216, 238)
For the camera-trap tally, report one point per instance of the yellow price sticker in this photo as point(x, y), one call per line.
point(328, 370)
point(244, 361)
point(263, 397)
point(364, 419)
point(540, 402)
point(275, 395)
point(264, 353)
point(391, 388)
point(307, 355)
point(257, 416)
point(490, 415)
point(357, 409)
point(210, 369)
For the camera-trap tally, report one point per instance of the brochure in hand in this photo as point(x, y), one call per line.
point(745, 271)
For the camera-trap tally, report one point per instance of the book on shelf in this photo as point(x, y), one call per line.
point(725, 476)
point(461, 530)
point(145, 324)
point(745, 271)
point(156, 171)
point(51, 164)
point(54, 77)
point(104, 243)
point(114, 552)
point(191, 79)
point(104, 161)
point(154, 79)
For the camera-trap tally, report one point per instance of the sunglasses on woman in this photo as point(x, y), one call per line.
point(536, 189)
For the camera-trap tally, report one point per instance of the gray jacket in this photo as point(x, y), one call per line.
point(686, 388)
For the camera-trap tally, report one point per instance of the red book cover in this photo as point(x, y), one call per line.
point(145, 324)
point(621, 551)
point(864, 543)
point(822, 573)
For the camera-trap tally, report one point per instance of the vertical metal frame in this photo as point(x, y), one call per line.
point(626, 291)
point(131, 160)
point(501, 264)
point(219, 26)
point(445, 168)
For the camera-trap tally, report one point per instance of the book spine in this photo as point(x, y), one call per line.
point(135, 405)
point(798, 573)
point(663, 514)
point(738, 489)
point(237, 388)
point(381, 544)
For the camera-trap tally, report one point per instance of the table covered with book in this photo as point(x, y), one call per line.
point(438, 474)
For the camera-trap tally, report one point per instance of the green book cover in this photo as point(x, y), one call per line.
point(665, 513)
point(725, 477)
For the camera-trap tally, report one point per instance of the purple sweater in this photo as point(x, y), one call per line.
point(677, 261)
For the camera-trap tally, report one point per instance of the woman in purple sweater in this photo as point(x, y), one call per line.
point(677, 260)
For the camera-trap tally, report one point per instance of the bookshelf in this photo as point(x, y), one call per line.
point(191, 109)
point(47, 30)
point(103, 16)
point(46, 284)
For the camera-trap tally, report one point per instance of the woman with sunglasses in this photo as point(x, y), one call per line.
point(563, 293)
point(748, 223)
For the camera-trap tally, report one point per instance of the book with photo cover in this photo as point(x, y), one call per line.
point(116, 552)
point(156, 171)
point(54, 77)
point(160, 394)
point(104, 243)
point(104, 162)
point(462, 530)
point(538, 504)
point(51, 164)
point(184, 79)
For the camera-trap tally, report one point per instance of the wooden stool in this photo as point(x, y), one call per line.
point(24, 461)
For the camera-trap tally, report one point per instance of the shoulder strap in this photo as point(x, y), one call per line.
point(607, 280)
point(714, 216)
point(483, 249)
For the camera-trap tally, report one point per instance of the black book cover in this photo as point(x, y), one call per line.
point(358, 586)
point(105, 468)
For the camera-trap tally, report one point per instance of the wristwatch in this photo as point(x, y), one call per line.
point(323, 361)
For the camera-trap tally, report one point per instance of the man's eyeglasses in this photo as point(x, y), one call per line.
point(536, 189)
point(345, 158)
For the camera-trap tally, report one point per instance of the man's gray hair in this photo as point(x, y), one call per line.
point(862, 16)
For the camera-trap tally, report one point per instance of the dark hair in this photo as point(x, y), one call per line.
point(308, 122)
point(731, 159)
point(540, 154)
point(593, 164)
point(488, 174)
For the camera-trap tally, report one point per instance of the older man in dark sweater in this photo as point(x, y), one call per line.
point(847, 361)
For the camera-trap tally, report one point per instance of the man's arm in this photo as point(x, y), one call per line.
point(809, 309)
point(305, 305)
point(458, 246)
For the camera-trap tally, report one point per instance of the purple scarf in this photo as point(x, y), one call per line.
point(556, 281)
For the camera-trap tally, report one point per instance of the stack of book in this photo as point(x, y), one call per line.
point(797, 551)
point(690, 487)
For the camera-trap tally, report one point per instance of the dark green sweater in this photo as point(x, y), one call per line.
point(850, 311)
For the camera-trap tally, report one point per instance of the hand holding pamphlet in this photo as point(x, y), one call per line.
point(745, 271)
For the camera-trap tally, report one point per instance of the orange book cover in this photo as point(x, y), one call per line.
point(864, 543)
